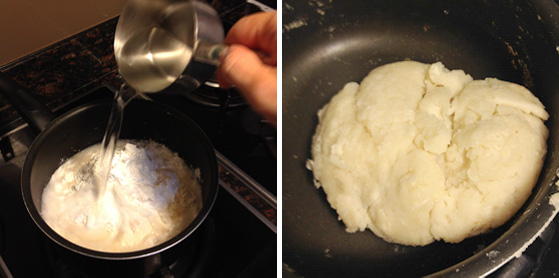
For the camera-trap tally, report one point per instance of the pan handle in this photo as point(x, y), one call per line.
point(33, 111)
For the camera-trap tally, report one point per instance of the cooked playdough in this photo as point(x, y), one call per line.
point(417, 153)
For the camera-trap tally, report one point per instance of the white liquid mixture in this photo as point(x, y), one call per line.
point(151, 196)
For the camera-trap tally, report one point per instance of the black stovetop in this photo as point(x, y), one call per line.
point(236, 243)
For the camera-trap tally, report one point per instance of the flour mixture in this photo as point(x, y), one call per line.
point(151, 196)
point(418, 153)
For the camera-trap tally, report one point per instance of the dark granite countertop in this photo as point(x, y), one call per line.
point(70, 68)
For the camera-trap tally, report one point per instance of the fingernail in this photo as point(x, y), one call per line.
point(224, 54)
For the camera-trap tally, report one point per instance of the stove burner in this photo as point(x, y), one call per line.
point(210, 95)
point(190, 264)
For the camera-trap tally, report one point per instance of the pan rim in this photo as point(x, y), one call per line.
point(131, 255)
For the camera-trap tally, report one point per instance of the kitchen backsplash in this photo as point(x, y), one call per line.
point(30, 25)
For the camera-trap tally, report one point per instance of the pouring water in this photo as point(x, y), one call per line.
point(155, 45)
point(108, 145)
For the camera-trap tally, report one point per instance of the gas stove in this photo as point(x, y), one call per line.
point(239, 238)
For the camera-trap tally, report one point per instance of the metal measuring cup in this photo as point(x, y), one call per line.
point(160, 42)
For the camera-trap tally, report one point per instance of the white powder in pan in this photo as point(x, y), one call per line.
point(151, 196)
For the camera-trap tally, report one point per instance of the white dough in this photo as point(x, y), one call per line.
point(417, 153)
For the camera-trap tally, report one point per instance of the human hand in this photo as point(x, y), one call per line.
point(250, 61)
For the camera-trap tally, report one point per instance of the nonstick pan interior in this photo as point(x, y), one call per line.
point(329, 43)
point(143, 120)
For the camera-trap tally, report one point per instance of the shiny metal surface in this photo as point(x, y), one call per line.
point(158, 43)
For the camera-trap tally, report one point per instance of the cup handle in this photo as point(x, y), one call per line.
point(208, 53)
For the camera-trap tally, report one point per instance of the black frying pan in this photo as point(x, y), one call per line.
point(329, 43)
point(62, 137)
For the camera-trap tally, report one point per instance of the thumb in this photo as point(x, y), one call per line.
point(243, 68)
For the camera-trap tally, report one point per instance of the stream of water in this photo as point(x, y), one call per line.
point(112, 133)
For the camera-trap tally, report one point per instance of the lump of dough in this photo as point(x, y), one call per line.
point(418, 153)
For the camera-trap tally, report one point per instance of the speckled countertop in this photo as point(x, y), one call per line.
point(61, 72)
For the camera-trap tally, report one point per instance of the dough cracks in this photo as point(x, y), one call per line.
point(418, 153)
